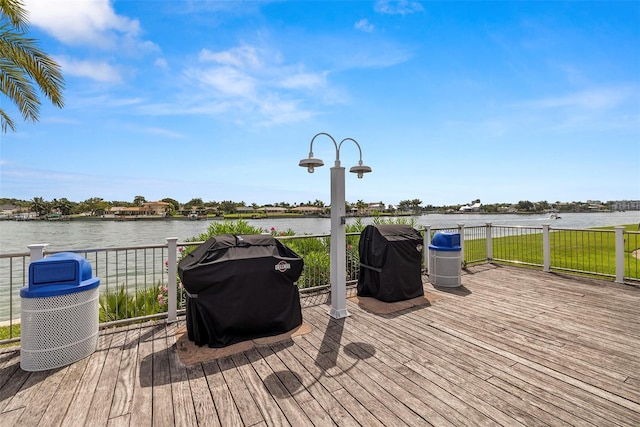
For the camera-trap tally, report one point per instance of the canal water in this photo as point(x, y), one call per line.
point(79, 234)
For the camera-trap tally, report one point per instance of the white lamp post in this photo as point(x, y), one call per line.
point(338, 221)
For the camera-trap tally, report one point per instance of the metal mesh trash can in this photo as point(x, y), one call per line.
point(59, 312)
point(445, 260)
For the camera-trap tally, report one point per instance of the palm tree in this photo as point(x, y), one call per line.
point(361, 206)
point(21, 64)
point(39, 205)
point(139, 201)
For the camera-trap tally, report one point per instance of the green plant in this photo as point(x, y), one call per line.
point(8, 332)
point(121, 304)
point(411, 221)
point(316, 270)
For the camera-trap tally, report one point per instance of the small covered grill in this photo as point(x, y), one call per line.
point(239, 288)
point(390, 262)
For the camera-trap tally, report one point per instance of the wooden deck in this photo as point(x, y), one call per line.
point(511, 347)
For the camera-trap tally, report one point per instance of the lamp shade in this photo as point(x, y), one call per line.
point(310, 163)
point(360, 170)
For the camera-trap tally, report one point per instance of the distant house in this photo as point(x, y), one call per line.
point(157, 208)
point(626, 205)
point(373, 208)
point(273, 210)
point(117, 210)
point(149, 208)
point(136, 210)
point(475, 207)
point(308, 210)
point(244, 209)
point(8, 211)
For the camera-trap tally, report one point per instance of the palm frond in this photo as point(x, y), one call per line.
point(24, 53)
point(15, 11)
point(22, 63)
point(19, 90)
point(6, 122)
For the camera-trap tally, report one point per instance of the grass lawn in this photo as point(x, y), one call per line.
point(8, 333)
point(589, 251)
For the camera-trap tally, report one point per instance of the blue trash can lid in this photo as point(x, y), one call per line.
point(59, 274)
point(445, 241)
point(54, 290)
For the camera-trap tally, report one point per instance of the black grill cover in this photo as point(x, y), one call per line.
point(240, 288)
point(390, 261)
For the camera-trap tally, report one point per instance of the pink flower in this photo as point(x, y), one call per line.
point(180, 249)
point(166, 263)
point(349, 247)
point(161, 299)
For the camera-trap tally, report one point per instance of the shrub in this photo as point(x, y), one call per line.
point(120, 304)
point(316, 270)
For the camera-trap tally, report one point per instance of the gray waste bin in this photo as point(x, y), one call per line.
point(59, 312)
point(445, 260)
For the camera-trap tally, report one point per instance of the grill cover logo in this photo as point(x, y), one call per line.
point(283, 266)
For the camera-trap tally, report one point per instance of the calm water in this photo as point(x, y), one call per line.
point(72, 235)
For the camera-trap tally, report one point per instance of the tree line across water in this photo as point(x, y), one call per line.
point(97, 206)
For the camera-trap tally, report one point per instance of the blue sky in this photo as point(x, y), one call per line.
point(450, 101)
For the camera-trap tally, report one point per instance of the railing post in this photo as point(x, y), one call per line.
point(426, 241)
point(489, 238)
point(546, 249)
point(619, 230)
point(36, 251)
point(461, 231)
point(172, 271)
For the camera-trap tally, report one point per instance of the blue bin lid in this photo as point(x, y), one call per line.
point(59, 274)
point(444, 241)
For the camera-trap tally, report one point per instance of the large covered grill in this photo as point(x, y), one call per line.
point(239, 288)
point(390, 263)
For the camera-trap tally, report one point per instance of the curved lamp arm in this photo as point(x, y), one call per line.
point(360, 169)
point(311, 162)
point(356, 142)
point(335, 144)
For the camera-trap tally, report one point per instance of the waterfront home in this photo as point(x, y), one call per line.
point(308, 210)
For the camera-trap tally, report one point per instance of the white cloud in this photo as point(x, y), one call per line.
point(161, 63)
point(304, 80)
point(241, 57)
point(593, 99)
point(95, 70)
point(249, 84)
point(226, 81)
point(81, 22)
point(364, 25)
point(401, 7)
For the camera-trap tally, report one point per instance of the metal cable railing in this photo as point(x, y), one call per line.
point(134, 281)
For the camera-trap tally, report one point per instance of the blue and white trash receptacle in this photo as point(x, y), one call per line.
point(59, 312)
point(445, 263)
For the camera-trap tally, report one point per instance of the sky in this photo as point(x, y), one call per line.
point(449, 101)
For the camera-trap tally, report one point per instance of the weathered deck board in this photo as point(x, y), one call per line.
point(511, 347)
